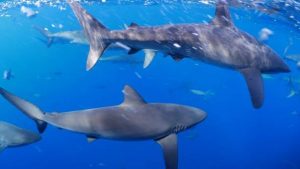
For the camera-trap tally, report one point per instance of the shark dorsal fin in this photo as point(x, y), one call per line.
point(222, 14)
point(131, 96)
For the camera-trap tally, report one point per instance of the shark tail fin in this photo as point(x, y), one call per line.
point(46, 34)
point(95, 32)
point(27, 108)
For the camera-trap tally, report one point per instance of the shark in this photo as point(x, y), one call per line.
point(149, 55)
point(133, 119)
point(78, 37)
point(219, 43)
point(71, 37)
point(13, 136)
point(123, 59)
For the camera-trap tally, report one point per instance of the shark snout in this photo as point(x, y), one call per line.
point(31, 138)
point(199, 115)
point(275, 64)
point(279, 66)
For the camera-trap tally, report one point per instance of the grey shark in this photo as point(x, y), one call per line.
point(149, 56)
point(72, 37)
point(128, 59)
point(134, 119)
point(219, 43)
point(78, 37)
point(13, 136)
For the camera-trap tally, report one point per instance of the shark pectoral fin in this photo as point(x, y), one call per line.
point(255, 85)
point(170, 150)
point(149, 56)
point(133, 51)
point(91, 139)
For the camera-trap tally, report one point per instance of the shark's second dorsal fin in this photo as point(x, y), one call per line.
point(222, 14)
point(131, 96)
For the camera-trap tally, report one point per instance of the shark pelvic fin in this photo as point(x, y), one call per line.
point(255, 85)
point(3, 146)
point(133, 51)
point(131, 96)
point(170, 150)
point(176, 57)
point(27, 108)
point(94, 31)
point(149, 56)
point(133, 25)
point(91, 139)
point(222, 14)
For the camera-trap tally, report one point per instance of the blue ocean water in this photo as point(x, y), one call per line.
point(234, 135)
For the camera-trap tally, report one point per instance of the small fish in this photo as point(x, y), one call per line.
point(138, 75)
point(291, 84)
point(202, 93)
point(292, 93)
point(266, 76)
point(28, 12)
point(294, 58)
point(292, 79)
point(264, 34)
point(7, 75)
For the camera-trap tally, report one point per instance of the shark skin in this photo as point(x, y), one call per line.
point(134, 119)
point(219, 43)
point(13, 136)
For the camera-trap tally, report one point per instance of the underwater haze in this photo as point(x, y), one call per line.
point(52, 74)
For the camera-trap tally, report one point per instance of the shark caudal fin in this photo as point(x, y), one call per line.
point(27, 108)
point(95, 32)
point(46, 34)
point(255, 85)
